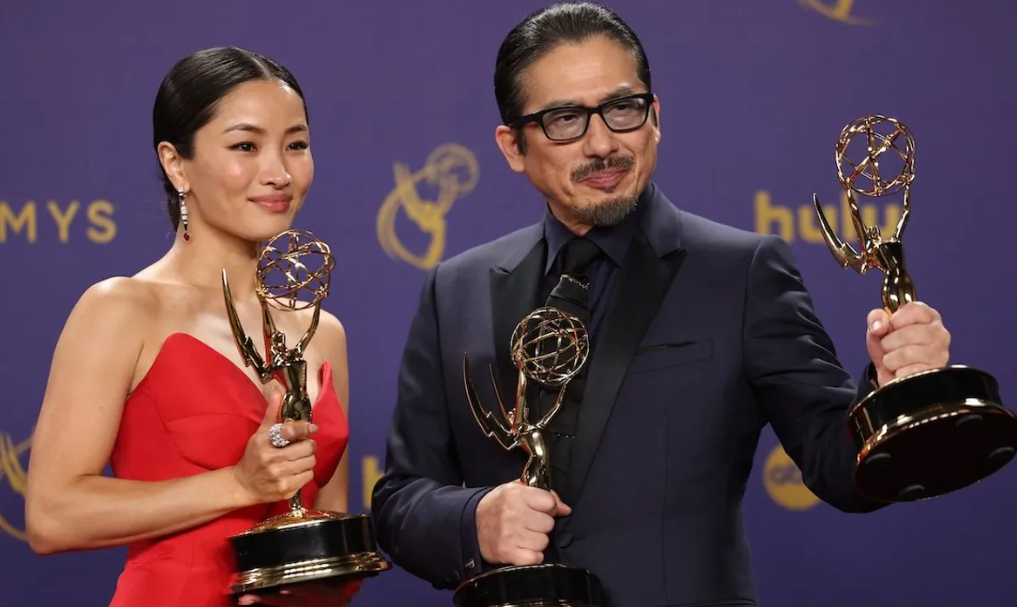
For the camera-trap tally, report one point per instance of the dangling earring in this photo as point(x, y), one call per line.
point(183, 212)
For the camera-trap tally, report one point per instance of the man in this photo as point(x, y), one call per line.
point(701, 334)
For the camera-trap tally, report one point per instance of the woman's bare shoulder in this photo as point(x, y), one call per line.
point(329, 337)
point(328, 331)
point(332, 325)
point(122, 306)
point(119, 295)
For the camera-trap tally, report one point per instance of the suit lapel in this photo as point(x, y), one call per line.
point(513, 295)
point(644, 281)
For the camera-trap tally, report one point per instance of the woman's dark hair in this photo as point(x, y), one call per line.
point(189, 97)
point(542, 31)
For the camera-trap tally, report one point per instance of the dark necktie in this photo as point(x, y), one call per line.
point(572, 295)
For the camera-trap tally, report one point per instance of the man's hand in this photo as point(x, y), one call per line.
point(913, 339)
point(513, 521)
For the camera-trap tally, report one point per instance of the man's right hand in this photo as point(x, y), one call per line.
point(513, 521)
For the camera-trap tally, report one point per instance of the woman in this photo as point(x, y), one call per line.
point(146, 374)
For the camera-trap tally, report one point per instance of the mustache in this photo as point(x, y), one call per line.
point(601, 164)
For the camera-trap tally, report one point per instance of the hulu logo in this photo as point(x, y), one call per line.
point(801, 222)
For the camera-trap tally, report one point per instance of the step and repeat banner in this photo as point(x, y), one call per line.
point(753, 97)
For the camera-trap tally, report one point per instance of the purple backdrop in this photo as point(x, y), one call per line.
point(753, 97)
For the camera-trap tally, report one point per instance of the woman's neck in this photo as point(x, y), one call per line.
point(201, 260)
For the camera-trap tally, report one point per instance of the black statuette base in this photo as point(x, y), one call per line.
point(315, 548)
point(930, 434)
point(549, 585)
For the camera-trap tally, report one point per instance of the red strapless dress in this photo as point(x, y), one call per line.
point(194, 412)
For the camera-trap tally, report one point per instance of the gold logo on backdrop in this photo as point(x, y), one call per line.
point(801, 223)
point(12, 478)
point(838, 10)
point(370, 470)
point(70, 221)
point(451, 171)
point(783, 481)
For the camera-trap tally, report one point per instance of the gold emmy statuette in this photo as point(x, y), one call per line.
point(932, 432)
point(302, 544)
point(549, 346)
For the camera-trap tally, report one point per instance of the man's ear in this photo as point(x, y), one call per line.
point(510, 142)
point(655, 116)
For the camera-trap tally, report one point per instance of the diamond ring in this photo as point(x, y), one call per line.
point(275, 435)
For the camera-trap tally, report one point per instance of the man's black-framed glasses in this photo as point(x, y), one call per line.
point(567, 123)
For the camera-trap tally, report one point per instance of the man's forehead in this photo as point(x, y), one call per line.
point(586, 74)
point(589, 98)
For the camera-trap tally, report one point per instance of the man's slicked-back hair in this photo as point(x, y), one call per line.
point(542, 31)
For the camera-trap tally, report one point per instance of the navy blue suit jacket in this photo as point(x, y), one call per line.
point(711, 335)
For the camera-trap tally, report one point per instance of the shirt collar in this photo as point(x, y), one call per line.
point(612, 240)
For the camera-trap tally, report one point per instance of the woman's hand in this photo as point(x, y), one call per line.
point(267, 473)
point(308, 594)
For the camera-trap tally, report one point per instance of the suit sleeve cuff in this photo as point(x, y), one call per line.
point(473, 563)
point(868, 383)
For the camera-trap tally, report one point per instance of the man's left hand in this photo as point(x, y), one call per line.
point(910, 340)
point(308, 594)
